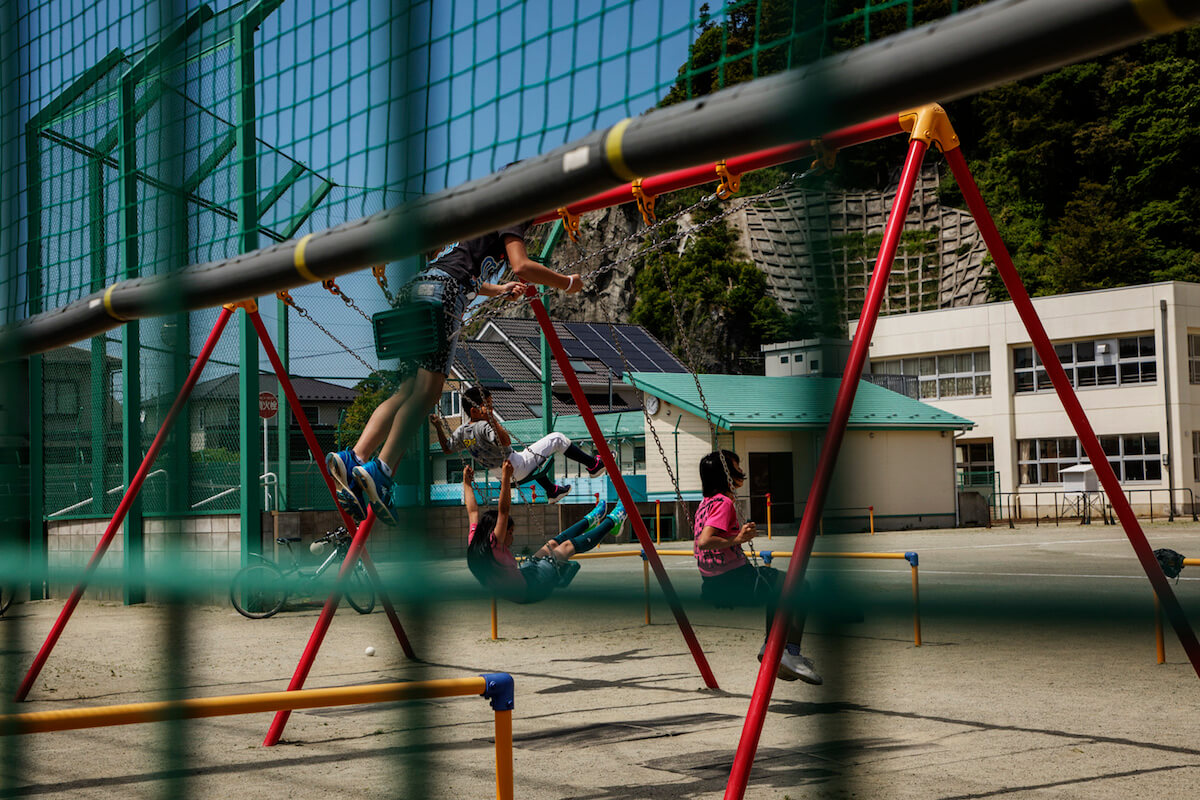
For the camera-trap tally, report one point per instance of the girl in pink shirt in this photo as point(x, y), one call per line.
point(728, 578)
point(489, 545)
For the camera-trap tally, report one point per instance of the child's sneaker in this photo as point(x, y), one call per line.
point(378, 489)
point(793, 666)
point(597, 468)
point(340, 465)
point(557, 493)
point(618, 515)
point(352, 504)
point(597, 513)
point(567, 572)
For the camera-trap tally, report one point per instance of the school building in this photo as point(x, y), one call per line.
point(1132, 355)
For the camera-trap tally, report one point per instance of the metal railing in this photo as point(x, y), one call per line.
point(266, 480)
point(1084, 505)
point(113, 490)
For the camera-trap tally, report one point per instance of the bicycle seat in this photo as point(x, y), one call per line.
point(286, 539)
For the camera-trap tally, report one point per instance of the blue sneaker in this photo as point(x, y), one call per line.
point(596, 514)
point(352, 504)
point(378, 489)
point(618, 514)
point(557, 493)
point(350, 497)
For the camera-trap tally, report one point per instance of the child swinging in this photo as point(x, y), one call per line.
point(489, 545)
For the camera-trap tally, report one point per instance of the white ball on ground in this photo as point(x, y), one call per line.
point(370, 651)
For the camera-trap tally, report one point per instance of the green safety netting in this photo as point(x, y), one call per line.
point(355, 108)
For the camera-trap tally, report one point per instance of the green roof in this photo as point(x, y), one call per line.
point(614, 426)
point(792, 402)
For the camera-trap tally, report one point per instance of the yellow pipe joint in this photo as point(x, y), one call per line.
point(931, 125)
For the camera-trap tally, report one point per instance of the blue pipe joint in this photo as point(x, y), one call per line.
point(911, 557)
point(500, 690)
point(767, 555)
point(644, 555)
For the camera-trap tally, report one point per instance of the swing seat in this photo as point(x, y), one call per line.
point(537, 473)
point(410, 332)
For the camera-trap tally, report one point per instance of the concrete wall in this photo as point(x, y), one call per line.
point(212, 544)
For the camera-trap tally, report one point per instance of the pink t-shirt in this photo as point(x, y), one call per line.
point(507, 579)
point(717, 512)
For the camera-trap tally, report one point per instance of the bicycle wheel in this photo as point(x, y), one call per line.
point(258, 591)
point(6, 597)
point(359, 591)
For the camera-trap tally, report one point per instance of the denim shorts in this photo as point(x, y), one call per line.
point(438, 287)
point(541, 577)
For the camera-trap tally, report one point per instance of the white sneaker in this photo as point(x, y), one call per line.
point(794, 666)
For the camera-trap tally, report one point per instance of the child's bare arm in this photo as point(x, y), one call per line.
point(436, 421)
point(469, 494)
point(531, 271)
point(501, 533)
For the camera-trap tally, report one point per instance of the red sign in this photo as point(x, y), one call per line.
point(268, 405)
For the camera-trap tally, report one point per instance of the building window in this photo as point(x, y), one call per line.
point(451, 404)
point(1194, 359)
point(1096, 362)
point(580, 366)
point(976, 464)
point(1196, 456)
point(1133, 457)
point(784, 360)
point(945, 375)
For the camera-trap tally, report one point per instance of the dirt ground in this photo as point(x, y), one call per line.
point(1036, 678)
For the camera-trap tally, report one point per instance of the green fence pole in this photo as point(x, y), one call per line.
point(37, 444)
point(131, 393)
point(250, 508)
point(96, 420)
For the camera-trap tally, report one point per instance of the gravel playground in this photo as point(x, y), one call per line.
point(1041, 703)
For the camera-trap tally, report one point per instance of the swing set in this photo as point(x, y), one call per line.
point(927, 127)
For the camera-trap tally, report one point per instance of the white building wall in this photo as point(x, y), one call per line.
point(686, 438)
point(1005, 417)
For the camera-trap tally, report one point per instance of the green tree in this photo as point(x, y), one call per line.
point(372, 391)
point(717, 305)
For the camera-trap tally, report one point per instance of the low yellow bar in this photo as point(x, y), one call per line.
point(228, 705)
point(788, 554)
point(616, 554)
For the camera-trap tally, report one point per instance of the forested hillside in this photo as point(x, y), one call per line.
point(1091, 172)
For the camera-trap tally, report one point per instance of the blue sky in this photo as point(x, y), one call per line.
point(391, 100)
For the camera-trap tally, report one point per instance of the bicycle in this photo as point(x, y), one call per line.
point(260, 589)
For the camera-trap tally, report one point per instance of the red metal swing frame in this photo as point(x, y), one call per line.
point(356, 547)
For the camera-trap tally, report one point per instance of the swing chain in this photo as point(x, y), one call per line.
point(287, 298)
point(336, 291)
point(381, 278)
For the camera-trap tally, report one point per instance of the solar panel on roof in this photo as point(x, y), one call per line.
point(664, 361)
point(577, 349)
point(601, 345)
point(488, 374)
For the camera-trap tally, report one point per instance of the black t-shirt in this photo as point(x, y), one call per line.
point(483, 258)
